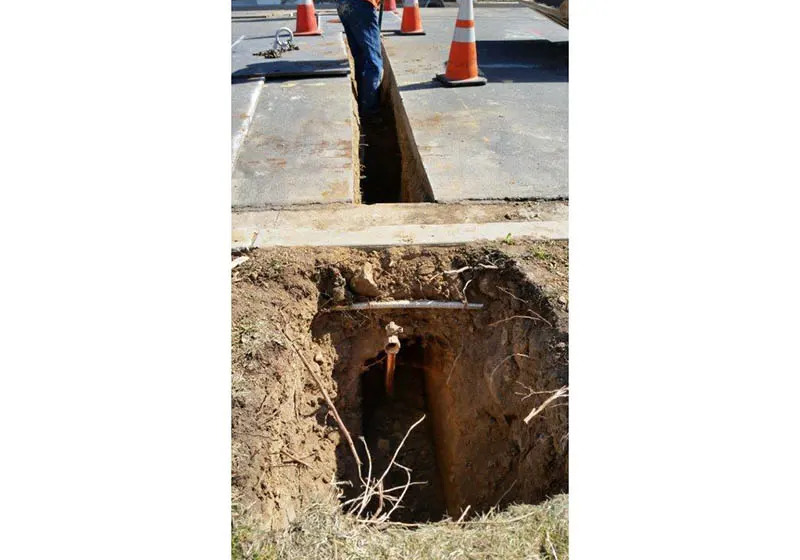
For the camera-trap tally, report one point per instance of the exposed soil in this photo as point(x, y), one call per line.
point(466, 370)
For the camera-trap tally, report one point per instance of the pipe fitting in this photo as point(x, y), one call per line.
point(392, 345)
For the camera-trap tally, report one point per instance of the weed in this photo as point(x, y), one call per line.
point(246, 545)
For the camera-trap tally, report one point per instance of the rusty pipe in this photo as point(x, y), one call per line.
point(390, 362)
point(392, 348)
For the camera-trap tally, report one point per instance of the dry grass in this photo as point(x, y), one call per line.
point(325, 532)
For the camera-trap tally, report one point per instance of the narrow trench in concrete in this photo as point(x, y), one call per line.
point(382, 159)
point(390, 165)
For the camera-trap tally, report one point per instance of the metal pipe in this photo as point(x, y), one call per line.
point(408, 304)
point(392, 348)
point(390, 361)
point(392, 345)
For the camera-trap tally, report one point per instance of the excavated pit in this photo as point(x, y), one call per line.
point(473, 448)
point(467, 371)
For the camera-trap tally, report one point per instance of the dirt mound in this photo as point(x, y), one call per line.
point(468, 371)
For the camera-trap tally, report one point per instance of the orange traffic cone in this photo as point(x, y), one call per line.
point(462, 65)
point(389, 6)
point(306, 22)
point(412, 20)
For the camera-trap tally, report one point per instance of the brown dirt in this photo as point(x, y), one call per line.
point(455, 366)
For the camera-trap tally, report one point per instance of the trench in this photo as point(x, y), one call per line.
point(381, 176)
point(390, 165)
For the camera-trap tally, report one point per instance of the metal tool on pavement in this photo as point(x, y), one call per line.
point(279, 46)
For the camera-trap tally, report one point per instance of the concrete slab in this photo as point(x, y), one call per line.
point(299, 148)
point(256, 6)
point(255, 25)
point(292, 141)
point(317, 56)
point(356, 217)
point(504, 140)
point(391, 21)
point(394, 235)
point(244, 98)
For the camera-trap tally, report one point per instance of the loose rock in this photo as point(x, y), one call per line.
point(339, 294)
point(335, 285)
point(363, 283)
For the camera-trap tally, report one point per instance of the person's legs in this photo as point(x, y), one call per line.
point(373, 64)
point(360, 21)
point(345, 9)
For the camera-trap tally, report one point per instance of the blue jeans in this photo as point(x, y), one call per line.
point(360, 21)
